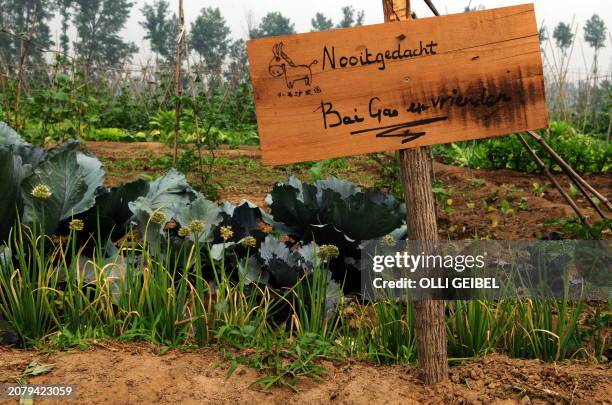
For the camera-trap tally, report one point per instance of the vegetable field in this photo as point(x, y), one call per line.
point(148, 254)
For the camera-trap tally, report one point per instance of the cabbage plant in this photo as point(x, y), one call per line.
point(339, 213)
point(45, 188)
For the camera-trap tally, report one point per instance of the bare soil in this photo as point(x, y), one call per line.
point(116, 373)
point(476, 210)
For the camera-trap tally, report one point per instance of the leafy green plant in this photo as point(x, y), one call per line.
point(382, 331)
point(444, 196)
point(62, 106)
point(584, 153)
point(316, 295)
point(474, 328)
point(115, 135)
point(543, 329)
point(163, 122)
point(574, 228)
point(394, 337)
point(505, 207)
point(38, 190)
point(477, 183)
point(284, 364)
point(28, 286)
point(538, 189)
point(325, 212)
point(573, 191)
point(595, 331)
point(322, 168)
point(469, 154)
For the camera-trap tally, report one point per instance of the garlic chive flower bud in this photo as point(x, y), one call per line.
point(196, 226)
point(184, 232)
point(41, 191)
point(327, 252)
point(226, 232)
point(76, 225)
point(388, 241)
point(249, 242)
point(159, 218)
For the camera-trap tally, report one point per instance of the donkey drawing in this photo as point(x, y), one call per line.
point(282, 65)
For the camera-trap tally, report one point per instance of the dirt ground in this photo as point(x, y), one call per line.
point(476, 210)
point(135, 373)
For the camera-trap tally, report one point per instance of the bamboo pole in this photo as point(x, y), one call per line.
point(179, 85)
point(552, 179)
point(5, 100)
point(569, 171)
point(586, 195)
point(416, 175)
point(24, 44)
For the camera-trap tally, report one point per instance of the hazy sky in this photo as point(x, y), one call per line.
point(238, 12)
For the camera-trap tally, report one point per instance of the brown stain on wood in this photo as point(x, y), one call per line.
point(473, 53)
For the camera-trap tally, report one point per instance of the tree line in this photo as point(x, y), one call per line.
point(98, 24)
point(90, 35)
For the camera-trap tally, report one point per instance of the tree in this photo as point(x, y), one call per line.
point(25, 17)
point(595, 32)
point(271, 25)
point(161, 29)
point(170, 50)
point(469, 8)
point(349, 19)
point(543, 34)
point(6, 43)
point(209, 37)
point(321, 23)
point(563, 36)
point(64, 11)
point(98, 24)
point(595, 35)
point(238, 69)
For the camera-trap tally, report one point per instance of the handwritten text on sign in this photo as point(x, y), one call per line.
point(398, 85)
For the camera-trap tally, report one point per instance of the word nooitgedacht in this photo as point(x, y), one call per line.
point(333, 61)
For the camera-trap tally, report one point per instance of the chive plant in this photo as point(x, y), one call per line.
point(187, 295)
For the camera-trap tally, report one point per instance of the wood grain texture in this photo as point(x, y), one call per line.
point(416, 173)
point(396, 10)
point(490, 58)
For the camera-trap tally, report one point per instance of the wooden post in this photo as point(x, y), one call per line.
point(416, 175)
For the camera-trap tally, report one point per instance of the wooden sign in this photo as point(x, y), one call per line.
point(398, 85)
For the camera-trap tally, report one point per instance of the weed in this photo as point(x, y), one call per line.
point(443, 196)
point(477, 183)
point(538, 189)
point(505, 207)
